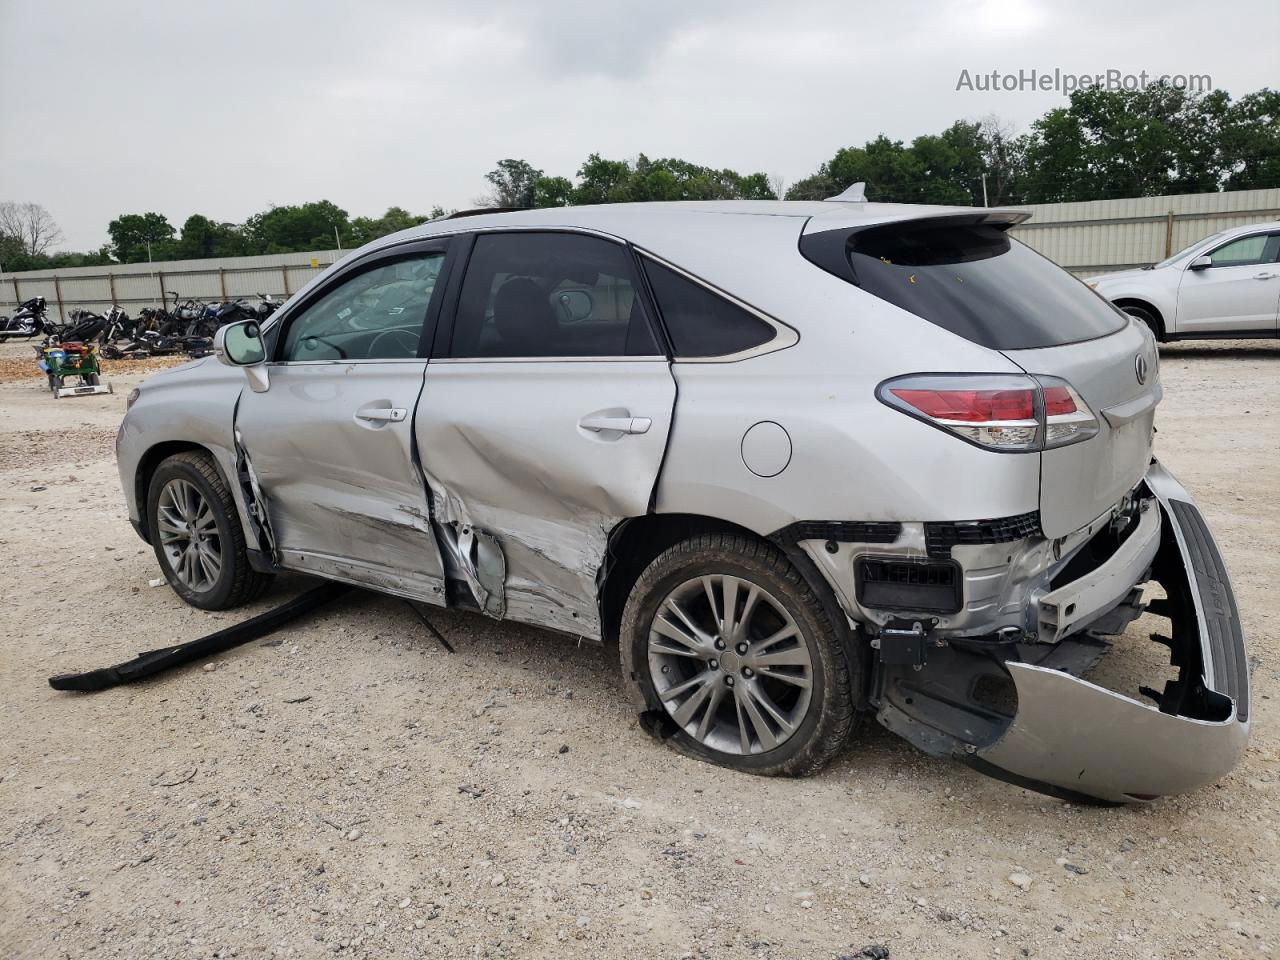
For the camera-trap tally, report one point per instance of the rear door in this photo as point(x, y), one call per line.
point(331, 440)
point(543, 421)
point(1237, 293)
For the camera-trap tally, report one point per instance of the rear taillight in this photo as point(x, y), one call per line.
point(1010, 413)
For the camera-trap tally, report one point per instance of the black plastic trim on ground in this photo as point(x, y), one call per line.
point(1225, 640)
point(941, 536)
point(166, 658)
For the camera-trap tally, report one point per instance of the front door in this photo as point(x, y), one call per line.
point(1239, 292)
point(544, 422)
point(331, 439)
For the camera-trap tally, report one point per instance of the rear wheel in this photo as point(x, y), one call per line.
point(197, 536)
point(725, 638)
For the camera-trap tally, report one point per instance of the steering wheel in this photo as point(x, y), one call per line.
point(404, 340)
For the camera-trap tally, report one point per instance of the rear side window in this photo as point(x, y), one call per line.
point(532, 294)
point(971, 279)
point(701, 323)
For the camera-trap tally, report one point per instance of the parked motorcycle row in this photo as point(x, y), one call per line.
point(187, 328)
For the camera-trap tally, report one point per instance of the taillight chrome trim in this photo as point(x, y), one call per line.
point(1082, 420)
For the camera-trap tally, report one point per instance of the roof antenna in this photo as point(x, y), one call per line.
point(855, 194)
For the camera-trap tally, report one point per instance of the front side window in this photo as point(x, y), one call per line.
point(1245, 251)
point(377, 314)
point(532, 294)
point(700, 322)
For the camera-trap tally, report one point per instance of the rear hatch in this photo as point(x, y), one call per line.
point(962, 272)
point(1083, 480)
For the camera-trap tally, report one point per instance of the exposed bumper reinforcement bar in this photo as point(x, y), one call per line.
point(1072, 737)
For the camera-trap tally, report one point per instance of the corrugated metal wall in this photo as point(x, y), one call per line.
point(1091, 237)
point(1098, 236)
point(138, 285)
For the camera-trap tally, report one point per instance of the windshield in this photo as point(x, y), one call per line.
point(1189, 250)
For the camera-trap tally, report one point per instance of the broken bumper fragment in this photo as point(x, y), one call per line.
point(1076, 736)
point(1048, 729)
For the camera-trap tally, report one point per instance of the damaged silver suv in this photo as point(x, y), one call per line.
point(795, 461)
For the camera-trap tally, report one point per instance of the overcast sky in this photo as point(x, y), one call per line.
point(225, 108)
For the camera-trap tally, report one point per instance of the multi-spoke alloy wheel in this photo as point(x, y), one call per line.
point(189, 535)
point(735, 658)
point(729, 664)
point(192, 524)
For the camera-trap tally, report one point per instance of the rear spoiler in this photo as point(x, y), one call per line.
point(828, 248)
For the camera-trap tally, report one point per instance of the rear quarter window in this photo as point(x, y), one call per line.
point(700, 323)
point(971, 279)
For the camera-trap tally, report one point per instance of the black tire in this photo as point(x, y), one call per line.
point(53, 384)
point(828, 721)
point(237, 582)
point(92, 380)
point(1147, 317)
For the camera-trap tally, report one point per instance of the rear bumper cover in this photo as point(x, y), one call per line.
point(1019, 710)
point(1080, 738)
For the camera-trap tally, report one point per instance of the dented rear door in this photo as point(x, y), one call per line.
point(543, 423)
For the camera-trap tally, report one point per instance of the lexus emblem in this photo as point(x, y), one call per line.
point(1140, 368)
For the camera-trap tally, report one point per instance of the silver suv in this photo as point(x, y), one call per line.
point(797, 462)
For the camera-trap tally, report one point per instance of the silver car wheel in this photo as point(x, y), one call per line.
point(188, 533)
point(730, 665)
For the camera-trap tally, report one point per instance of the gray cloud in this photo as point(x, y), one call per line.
point(226, 108)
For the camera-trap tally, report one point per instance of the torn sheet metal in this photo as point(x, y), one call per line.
point(510, 451)
point(254, 499)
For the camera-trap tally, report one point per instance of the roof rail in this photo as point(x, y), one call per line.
point(480, 211)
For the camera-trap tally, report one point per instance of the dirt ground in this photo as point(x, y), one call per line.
point(348, 787)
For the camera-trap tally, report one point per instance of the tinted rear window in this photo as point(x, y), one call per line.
point(700, 323)
point(970, 279)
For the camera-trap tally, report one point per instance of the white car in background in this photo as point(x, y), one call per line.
point(1226, 286)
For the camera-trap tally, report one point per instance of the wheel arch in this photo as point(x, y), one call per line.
point(150, 461)
point(1151, 308)
point(636, 542)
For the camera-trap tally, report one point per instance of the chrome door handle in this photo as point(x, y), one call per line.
point(598, 424)
point(1264, 276)
point(387, 414)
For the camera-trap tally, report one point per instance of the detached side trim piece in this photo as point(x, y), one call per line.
point(841, 531)
point(156, 661)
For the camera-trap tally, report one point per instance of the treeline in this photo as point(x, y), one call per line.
point(1103, 144)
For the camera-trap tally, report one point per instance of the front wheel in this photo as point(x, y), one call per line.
point(724, 636)
point(197, 536)
point(1147, 317)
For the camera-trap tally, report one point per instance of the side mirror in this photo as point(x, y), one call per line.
point(1201, 262)
point(241, 345)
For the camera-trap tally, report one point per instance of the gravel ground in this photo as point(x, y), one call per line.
point(348, 787)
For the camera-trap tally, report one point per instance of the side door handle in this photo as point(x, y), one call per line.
point(1264, 276)
point(382, 414)
point(598, 423)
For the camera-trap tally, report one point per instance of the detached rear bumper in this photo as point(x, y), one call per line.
point(1070, 736)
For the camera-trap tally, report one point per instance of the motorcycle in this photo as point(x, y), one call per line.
point(31, 320)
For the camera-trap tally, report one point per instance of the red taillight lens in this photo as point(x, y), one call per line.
point(971, 406)
point(1058, 401)
point(1013, 413)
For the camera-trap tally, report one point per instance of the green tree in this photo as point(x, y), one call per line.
point(364, 229)
point(514, 184)
point(552, 192)
point(307, 226)
point(202, 238)
point(133, 234)
point(1250, 141)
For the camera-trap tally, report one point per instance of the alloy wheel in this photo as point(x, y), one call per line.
point(188, 533)
point(730, 665)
